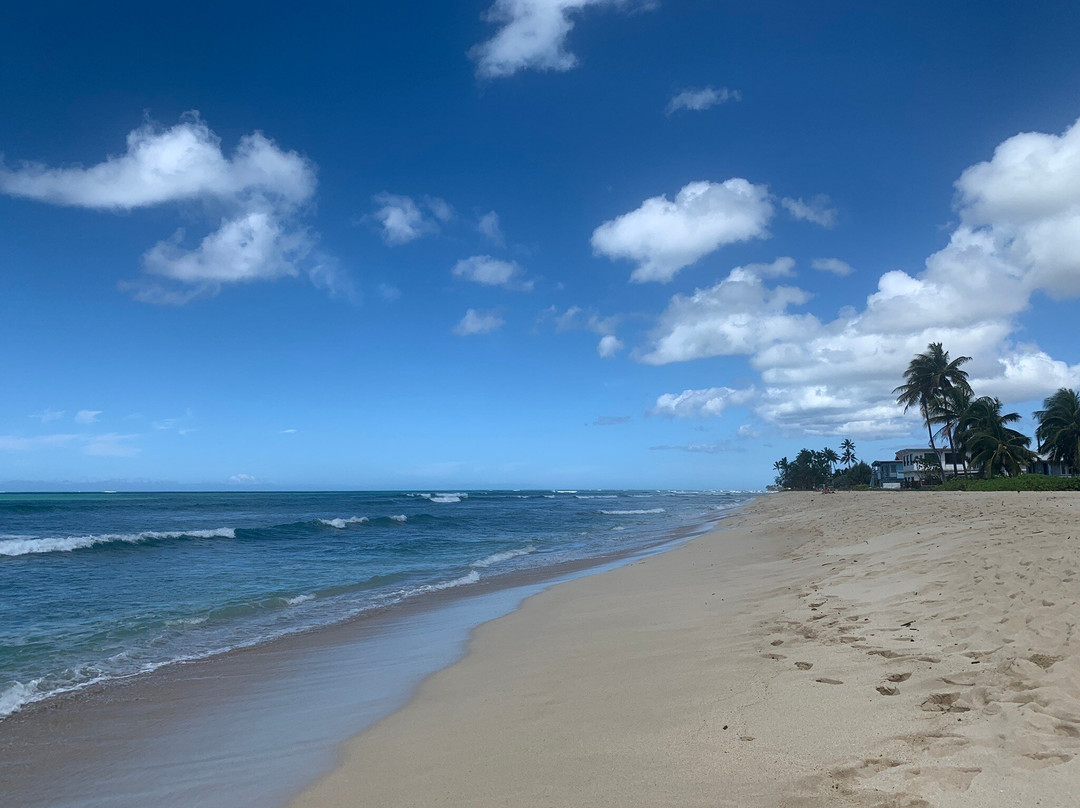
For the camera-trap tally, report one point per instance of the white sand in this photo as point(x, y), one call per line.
point(877, 649)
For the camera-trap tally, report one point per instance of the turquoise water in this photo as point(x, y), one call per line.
point(100, 586)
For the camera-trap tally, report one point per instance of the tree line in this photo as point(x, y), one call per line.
point(976, 429)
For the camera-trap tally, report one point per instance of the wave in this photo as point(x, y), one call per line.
point(634, 512)
point(399, 518)
point(464, 580)
point(65, 544)
point(340, 524)
point(596, 496)
point(505, 555)
point(298, 600)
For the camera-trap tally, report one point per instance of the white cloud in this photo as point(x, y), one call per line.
point(576, 318)
point(490, 227)
point(243, 479)
point(738, 315)
point(87, 416)
point(663, 236)
point(288, 432)
point(835, 377)
point(389, 293)
point(479, 322)
point(484, 269)
point(47, 415)
point(817, 210)
point(833, 265)
point(701, 99)
point(532, 34)
point(106, 445)
point(403, 220)
point(256, 194)
point(609, 345)
point(701, 403)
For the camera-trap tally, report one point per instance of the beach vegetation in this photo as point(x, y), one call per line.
point(1058, 432)
point(847, 451)
point(1025, 482)
point(992, 444)
point(814, 468)
point(854, 476)
point(929, 378)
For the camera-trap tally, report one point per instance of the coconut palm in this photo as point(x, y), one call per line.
point(847, 457)
point(1058, 432)
point(830, 457)
point(950, 411)
point(928, 378)
point(991, 442)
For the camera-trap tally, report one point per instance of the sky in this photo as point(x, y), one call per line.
point(521, 243)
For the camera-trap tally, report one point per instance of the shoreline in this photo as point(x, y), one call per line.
point(54, 750)
point(863, 650)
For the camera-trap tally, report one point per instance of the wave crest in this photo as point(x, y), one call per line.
point(505, 555)
point(65, 544)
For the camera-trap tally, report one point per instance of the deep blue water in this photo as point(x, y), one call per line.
point(98, 586)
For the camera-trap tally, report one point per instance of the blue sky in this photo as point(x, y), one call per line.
point(552, 243)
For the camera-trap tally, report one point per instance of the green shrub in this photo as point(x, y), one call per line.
point(1025, 482)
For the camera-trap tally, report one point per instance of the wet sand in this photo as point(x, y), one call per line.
point(870, 649)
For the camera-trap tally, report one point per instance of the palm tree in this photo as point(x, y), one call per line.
point(830, 457)
point(950, 411)
point(928, 378)
point(1059, 427)
point(992, 443)
point(848, 455)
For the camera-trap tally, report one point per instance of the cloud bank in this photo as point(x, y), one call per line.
point(1019, 235)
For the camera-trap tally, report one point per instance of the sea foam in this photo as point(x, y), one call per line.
point(340, 524)
point(505, 555)
point(635, 512)
point(64, 544)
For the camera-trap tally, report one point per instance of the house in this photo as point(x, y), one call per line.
point(1042, 464)
point(886, 474)
point(905, 470)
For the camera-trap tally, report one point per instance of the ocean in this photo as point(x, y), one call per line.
point(101, 586)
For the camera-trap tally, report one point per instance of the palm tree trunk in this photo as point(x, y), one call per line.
point(930, 432)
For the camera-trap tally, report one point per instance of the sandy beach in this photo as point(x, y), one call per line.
point(868, 649)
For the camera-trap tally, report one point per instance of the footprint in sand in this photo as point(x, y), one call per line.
point(804, 666)
point(829, 681)
point(888, 690)
point(774, 656)
point(777, 642)
point(899, 677)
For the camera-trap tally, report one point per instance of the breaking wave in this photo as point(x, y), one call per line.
point(634, 512)
point(505, 555)
point(65, 544)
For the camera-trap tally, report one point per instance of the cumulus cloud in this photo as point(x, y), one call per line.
point(404, 220)
point(701, 99)
point(835, 377)
point(243, 479)
point(663, 236)
point(700, 403)
point(609, 345)
point(479, 322)
point(256, 194)
point(833, 265)
point(532, 35)
point(817, 210)
point(87, 416)
point(484, 269)
point(490, 227)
